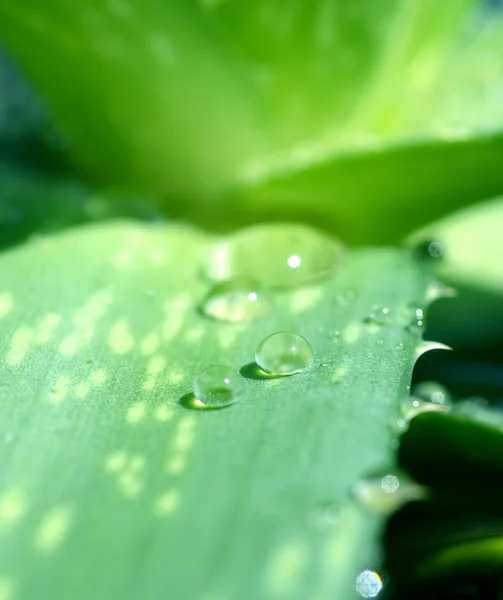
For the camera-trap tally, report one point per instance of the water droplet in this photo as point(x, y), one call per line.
point(413, 406)
point(284, 353)
point(368, 584)
point(390, 484)
point(278, 255)
point(386, 492)
point(431, 391)
point(378, 316)
point(218, 386)
point(334, 336)
point(429, 249)
point(326, 516)
point(237, 301)
point(400, 346)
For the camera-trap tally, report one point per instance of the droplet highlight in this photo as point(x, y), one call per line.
point(278, 255)
point(218, 386)
point(378, 316)
point(368, 584)
point(432, 391)
point(239, 300)
point(284, 353)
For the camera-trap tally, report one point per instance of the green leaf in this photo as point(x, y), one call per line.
point(455, 538)
point(472, 241)
point(225, 92)
point(112, 488)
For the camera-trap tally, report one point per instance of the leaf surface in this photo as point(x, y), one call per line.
point(113, 488)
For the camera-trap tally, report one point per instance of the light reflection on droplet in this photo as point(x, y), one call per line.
point(390, 484)
point(294, 261)
point(436, 249)
point(368, 584)
point(432, 391)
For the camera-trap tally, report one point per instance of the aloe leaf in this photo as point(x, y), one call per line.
point(455, 538)
point(226, 96)
point(111, 487)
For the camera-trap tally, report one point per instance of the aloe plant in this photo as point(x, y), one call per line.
point(338, 165)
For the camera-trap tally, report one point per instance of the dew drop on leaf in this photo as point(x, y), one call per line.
point(368, 584)
point(237, 301)
point(429, 249)
point(218, 386)
point(378, 316)
point(277, 255)
point(431, 391)
point(284, 353)
point(413, 406)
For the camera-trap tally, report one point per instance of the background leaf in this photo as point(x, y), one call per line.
point(110, 487)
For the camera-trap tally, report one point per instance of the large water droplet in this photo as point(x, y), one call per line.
point(278, 255)
point(218, 386)
point(237, 301)
point(284, 353)
point(431, 391)
point(368, 584)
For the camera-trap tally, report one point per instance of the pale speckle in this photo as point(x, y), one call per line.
point(120, 339)
point(161, 48)
point(19, 346)
point(116, 461)
point(227, 337)
point(46, 328)
point(7, 587)
point(155, 367)
point(185, 434)
point(98, 377)
point(137, 463)
point(175, 311)
point(175, 377)
point(130, 484)
point(338, 374)
point(53, 529)
point(59, 390)
point(158, 256)
point(305, 299)
point(121, 9)
point(167, 503)
point(149, 344)
point(163, 414)
point(286, 567)
point(176, 465)
point(13, 506)
point(194, 335)
point(6, 304)
point(351, 333)
point(85, 320)
point(123, 258)
point(136, 412)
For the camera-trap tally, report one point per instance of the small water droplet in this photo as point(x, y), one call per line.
point(278, 255)
point(368, 584)
point(400, 346)
point(429, 249)
point(218, 386)
point(378, 316)
point(413, 406)
point(237, 301)
point(284, 353)
point(380, 342)
point(334, 336)
point(326, 516)
point(386, 492)
point(431, 391)
point(9, 436)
